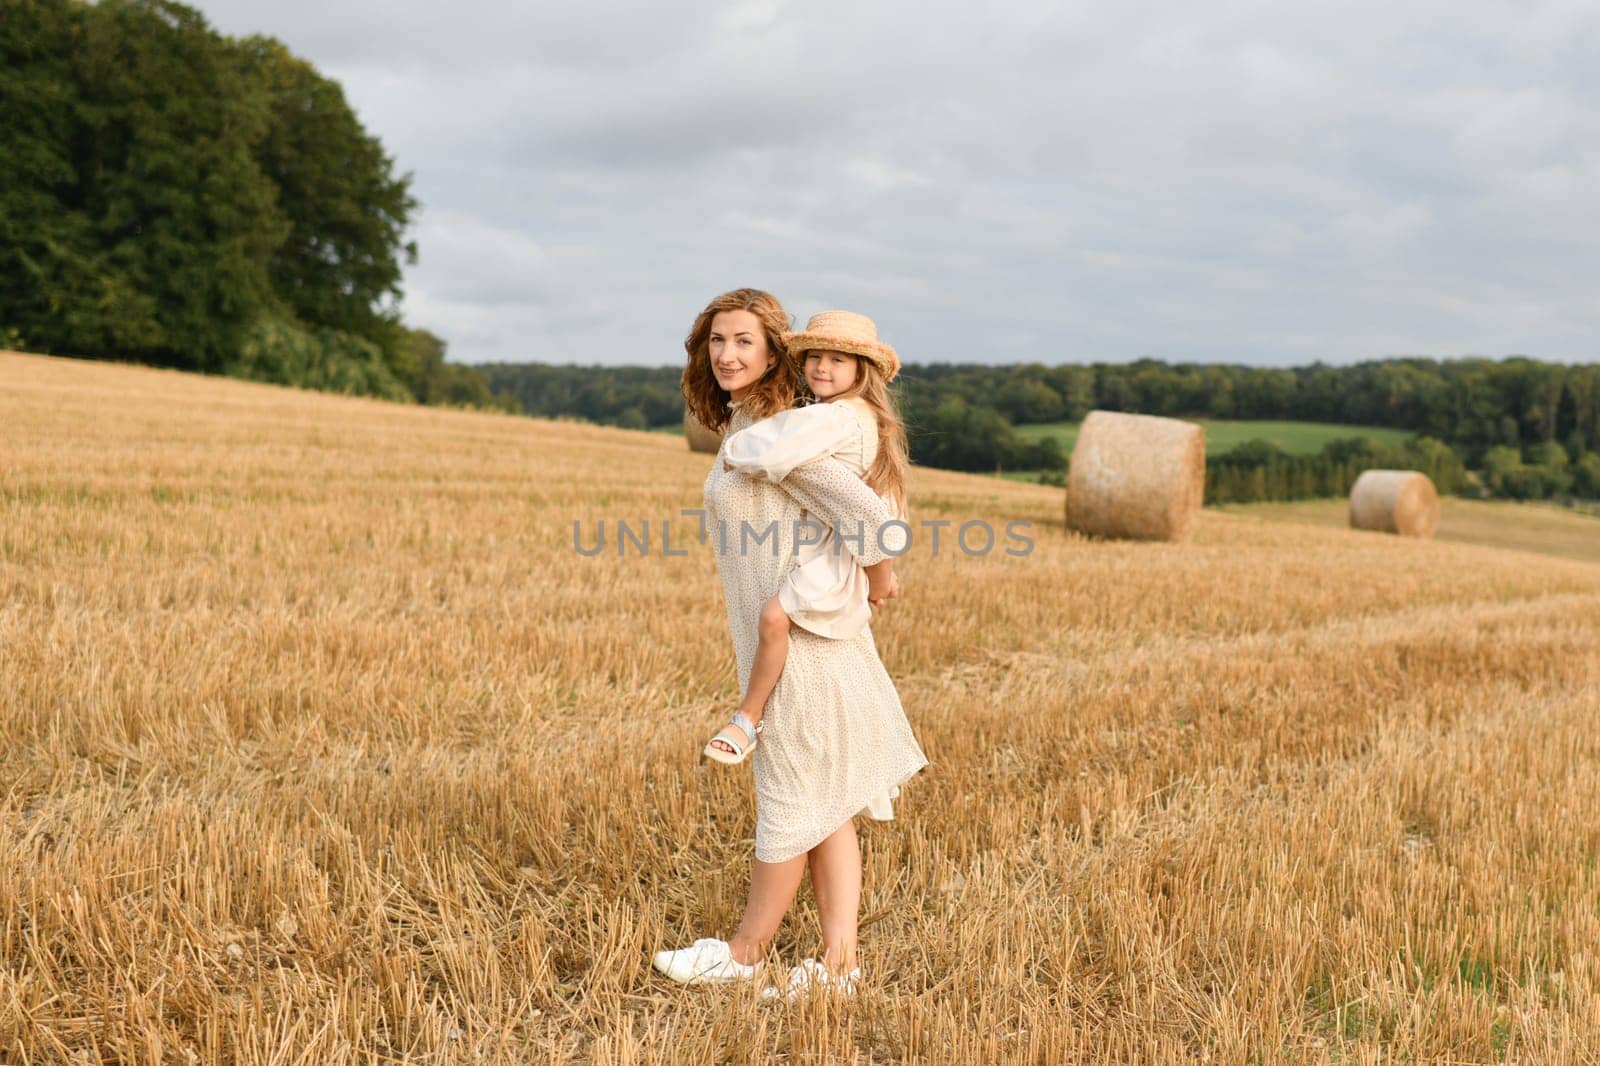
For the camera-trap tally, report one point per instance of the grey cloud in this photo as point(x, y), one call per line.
point(1237, 181)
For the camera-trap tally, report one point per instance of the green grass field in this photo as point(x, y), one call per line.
point(1296, 438)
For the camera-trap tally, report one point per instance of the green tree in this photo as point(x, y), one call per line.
point(151, 226)
point(184, 217)
point(287, 352)
point(1586, 476)
point(1439, 461)
point(1503, 469)
point(1029, 400)
point(1550, 459)
point(1075, 386)
point(53, 282)
point(1045, 453)
point(339, 265)
point(956, 435)
point(434, 381)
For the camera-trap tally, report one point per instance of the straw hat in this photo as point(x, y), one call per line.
point(844, 331)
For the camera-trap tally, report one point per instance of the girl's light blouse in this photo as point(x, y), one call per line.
point(776, 445)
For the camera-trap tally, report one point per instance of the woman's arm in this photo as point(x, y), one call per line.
point(837, 497)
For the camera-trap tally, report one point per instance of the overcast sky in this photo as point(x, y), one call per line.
point(1262, 182)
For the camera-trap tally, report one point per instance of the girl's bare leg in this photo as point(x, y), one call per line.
point(772, 651)
point(772, 889)
point(836, 884)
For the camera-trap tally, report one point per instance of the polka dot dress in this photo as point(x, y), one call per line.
point(835, 741)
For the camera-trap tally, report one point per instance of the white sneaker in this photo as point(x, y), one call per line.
point(812, 976)
point(708, 961)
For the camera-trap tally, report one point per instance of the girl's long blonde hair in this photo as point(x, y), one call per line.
point(887, 475)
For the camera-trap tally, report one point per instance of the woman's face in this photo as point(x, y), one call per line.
point(830, 373)
point(738, 349)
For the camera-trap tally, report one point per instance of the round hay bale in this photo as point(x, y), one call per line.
point(1395, 501)
point(1136, 476)
point(700, 438)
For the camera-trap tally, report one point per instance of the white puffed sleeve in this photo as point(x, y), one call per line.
point(774, 446)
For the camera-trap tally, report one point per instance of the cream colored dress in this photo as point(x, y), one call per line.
point(835, 741)
point(826, 592)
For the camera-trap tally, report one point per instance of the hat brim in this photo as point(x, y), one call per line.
point(881, 354)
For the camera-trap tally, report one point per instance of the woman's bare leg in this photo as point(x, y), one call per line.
point(772, 651)
point(772, 889)
point(836, 884)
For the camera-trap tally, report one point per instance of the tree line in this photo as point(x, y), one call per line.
point(177, 197)
point(632, 397)
point(1258, 470)
point(1474, 404)
point(1514, 427)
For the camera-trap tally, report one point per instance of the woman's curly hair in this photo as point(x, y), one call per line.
point(776, 389)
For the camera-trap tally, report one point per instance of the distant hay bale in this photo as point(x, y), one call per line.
point(1136, 476)
point(700, 438)
point(1395, 501)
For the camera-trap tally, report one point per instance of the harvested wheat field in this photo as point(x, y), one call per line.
point(320, 743)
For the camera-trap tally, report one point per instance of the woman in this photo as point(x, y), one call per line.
point(834, 740)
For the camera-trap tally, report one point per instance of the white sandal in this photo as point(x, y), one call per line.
point(741, 747)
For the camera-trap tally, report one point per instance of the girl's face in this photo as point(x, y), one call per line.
point(829, 373)
point(738, 350)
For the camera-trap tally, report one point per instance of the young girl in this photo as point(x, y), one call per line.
point(853, 420)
